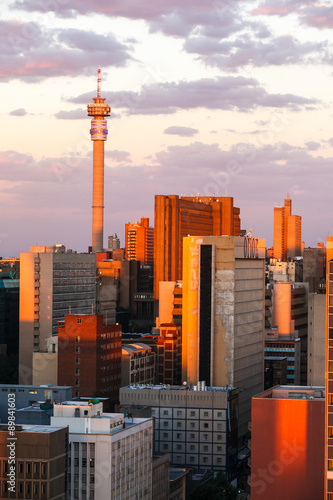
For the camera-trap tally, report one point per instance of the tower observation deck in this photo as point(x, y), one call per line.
point(98, 109)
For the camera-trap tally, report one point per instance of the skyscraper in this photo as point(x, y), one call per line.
point(223, 315)
point(139, 244)
point(287, 232)
point(176, 218)
point(52, 283)
point(99, 109)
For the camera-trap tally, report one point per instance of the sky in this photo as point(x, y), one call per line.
point(214, 97)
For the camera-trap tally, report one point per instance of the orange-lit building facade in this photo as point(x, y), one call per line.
point(139, 242)
point(169, 344)
point(89, 356)
point(176, 218)
point(287, 444)
point(287, 232)
point(329, 371)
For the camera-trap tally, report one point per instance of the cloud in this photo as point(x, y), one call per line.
point(233, 54)
point(18, 112)
point(29, 53)
point(312, 145)
point(119, 156)
point(227, 93)
point(182, 131)
point(73, 114)
point(315, 14)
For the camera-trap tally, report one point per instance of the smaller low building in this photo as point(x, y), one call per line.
point(196, 425)
point(110, 455)
point(33, 464)
point(137, 364)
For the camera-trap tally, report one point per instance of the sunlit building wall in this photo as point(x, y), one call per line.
point(287, 444)
point(223, 315)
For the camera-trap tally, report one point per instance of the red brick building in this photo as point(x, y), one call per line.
point(89, 356)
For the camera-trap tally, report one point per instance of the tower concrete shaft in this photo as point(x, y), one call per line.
point(99, 109)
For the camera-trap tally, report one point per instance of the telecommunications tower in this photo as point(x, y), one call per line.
point(99, 109)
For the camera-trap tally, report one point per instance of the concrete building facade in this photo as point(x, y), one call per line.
point(197, 425)
point(316, 338)
point(137, 364)
point(223, 315)
point(53, 283)
point(110, 456)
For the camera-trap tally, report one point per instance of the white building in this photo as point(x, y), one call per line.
point(110, 456)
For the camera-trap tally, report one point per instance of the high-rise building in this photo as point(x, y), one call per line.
point(139, 242)
point(316, 338)
point(98, 110)
point(89, 356)
point(223, 315)
point(287, 232)
point(176, 218)
point(53, 283)
point(287, 444)
point(110, 456)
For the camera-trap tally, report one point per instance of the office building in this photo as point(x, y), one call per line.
point(316, 338)
point(40, 468)
point(287, 444)
point(287, 232)
point(110, 456)
point(89, 357)
point(53, 283)
point(137, 364)
point(196, 425)
point(223, 315)
point(98, 110)
point(176, 218)
point(139, 242)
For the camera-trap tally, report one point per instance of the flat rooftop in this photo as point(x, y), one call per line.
point(293, 392)
point(193, 388)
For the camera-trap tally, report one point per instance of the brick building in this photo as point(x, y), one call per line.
point(89, 356)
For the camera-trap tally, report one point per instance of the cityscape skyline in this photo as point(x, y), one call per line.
point(229, 99)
